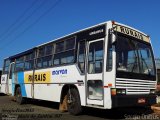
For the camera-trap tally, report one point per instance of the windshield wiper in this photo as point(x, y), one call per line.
point(135, 63)
point(134, 45)
point(149, 72)
point(143, 60)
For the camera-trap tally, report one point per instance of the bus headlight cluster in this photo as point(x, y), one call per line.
point(121, 91)
point(118, 91)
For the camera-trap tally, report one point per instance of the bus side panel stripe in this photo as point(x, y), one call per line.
point(21, 82)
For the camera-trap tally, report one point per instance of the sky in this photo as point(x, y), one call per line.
point(28, 23)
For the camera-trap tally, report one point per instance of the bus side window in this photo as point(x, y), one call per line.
point(59, 47)
point(29, 61)
point(95, 57)
point(6, 66)
point(64, 52)
point(47, 61)
point(81, 56)
point(44, 59)
point(19, 66)
point(39, 63)
point(109, 56)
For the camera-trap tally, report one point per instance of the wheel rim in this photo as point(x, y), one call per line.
point(73, 101)
point(18, 96)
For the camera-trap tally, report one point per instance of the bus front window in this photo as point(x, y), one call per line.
point(127, 59)
point(146, 61)
point(134, 56)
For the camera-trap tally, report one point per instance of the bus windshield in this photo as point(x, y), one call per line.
point(134, 56)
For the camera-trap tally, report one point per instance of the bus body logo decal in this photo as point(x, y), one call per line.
point(59, 72)
point(39, 77)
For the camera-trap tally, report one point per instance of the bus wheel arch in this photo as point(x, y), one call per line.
point(16, 86)
point(18, 94)
point(65, 105)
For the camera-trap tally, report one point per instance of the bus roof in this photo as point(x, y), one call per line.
point(22, 53)
point(31, 49)
point(103, 23)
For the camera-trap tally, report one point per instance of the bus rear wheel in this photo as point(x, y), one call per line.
point(19, 98)
point(73, 102)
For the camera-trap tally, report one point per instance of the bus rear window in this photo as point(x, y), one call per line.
point(6, 66)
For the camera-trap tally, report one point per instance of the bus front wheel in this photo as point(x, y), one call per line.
point(73, 102)
point(19, 98)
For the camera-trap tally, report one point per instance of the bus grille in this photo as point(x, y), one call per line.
point(134, 86)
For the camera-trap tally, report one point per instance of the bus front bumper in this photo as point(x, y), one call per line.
point(133, 100)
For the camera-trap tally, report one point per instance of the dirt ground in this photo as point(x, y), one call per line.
point(44, 110)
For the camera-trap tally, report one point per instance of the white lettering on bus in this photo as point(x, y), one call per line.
point(96, 32)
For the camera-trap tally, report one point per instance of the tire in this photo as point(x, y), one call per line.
point(19, 98)
point(73, 102)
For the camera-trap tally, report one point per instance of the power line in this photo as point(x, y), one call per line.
point(23, 22)
point(18, 19)
point(31, 25)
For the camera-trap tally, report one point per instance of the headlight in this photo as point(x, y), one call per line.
point(153, 91)
point(121, 91)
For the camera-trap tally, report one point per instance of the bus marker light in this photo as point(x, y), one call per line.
point(110, 85)
point(113, 22)
point(113, 91)
point(105, 86)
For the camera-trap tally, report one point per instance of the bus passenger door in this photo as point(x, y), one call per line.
point(10, 78)
point(94, 72)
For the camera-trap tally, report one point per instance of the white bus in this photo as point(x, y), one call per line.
point(105, 66)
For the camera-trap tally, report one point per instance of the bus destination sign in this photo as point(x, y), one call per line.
point(130, 32)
